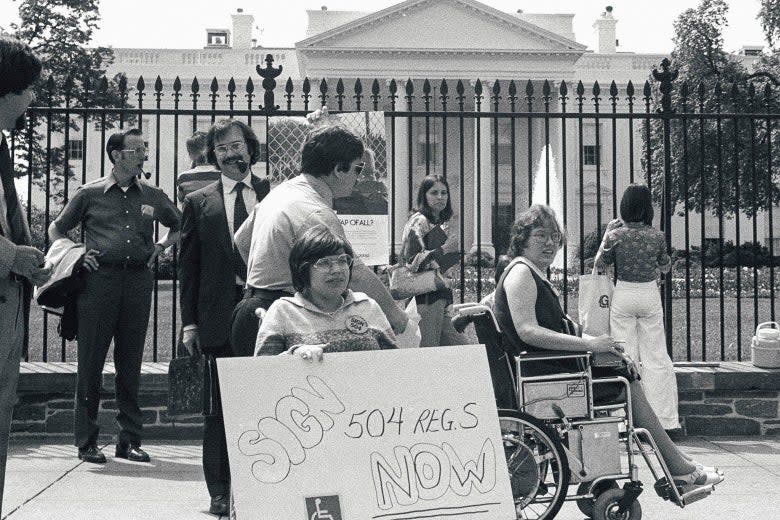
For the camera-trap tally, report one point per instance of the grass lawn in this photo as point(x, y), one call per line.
point(166, 331)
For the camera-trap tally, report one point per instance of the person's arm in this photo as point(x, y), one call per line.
point(243, 237)
point(385, 338)
point(364, 280)
point(413, 251)
point(606, 253)
point(664, 260)
point(71, 216)
point(189, 273)
point(271, 336)
point(521, 293)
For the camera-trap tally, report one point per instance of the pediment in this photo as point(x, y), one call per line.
point(447, 25)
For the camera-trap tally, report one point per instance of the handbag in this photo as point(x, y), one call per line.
point(406, 284)
point(185, 387)
point(594, 304)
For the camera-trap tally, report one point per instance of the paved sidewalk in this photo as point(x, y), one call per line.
point(47, 481)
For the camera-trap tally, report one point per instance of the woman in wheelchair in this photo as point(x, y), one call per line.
point(531, 319)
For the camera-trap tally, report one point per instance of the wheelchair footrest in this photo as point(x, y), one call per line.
point(665, 491)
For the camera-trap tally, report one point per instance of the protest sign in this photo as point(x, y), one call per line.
point(365, 435)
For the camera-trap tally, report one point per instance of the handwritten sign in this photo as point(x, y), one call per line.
point(365, 436)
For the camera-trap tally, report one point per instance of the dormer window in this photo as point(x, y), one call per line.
point(217, 38)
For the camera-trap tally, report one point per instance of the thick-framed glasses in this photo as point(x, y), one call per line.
point(141, 150)
point(326, 264)
point(235, 146)
point(542, 237)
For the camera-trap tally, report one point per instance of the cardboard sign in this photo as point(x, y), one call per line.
point(379, 435)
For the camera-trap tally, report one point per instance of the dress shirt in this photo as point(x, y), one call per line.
point(228, 188)
point(291, 209)
point(119, 223)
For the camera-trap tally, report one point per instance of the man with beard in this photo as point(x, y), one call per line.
point(117, 215)
point(20, 264)
point(209, 288)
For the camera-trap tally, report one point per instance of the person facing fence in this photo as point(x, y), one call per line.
point(638, 252)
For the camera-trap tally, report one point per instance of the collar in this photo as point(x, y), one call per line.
point(229, 184)
point(321, 187)
point(349, 298)
point(634, 225)
point(111, 181)
point(203, 168)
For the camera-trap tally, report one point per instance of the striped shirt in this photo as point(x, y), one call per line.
point(195, 179)
point(359, 324)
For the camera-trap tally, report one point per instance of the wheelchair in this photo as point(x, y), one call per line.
point(556, 434)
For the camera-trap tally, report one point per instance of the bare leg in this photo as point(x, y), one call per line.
point(644, 416)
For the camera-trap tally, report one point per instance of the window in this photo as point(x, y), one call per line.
point(504, 153)
point(590, 155)
point(76, 150)
point(429, 152)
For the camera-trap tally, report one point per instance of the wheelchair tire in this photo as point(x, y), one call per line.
point(538, 468)
point(606, 505)
point(586, 504)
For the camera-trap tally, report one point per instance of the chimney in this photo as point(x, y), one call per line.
point(605, 28)
point(242, 29)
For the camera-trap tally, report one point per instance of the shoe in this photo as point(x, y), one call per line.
point(709, 469)
point(131, 452)
point(91, 453)
point(219, 505)
point(698, 478)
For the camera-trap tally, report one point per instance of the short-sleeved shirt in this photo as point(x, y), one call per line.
point(195, 179)
point(359, 324)
point(637, 250)
point(119, 223)
point(289, 210)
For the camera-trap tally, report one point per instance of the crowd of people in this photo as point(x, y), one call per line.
point(276, 275)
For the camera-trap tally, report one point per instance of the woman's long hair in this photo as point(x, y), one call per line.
point(422, 202)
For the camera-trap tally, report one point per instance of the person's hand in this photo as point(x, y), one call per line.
point(605, 343)
point(191, 340)
point(317, 117)
point(614, 224)
point(90, 260)
point(39, 275)
point(309, 352)
point(631, 366)
point(452, 245)
point(158, 248)
point(398, 321)
point(26, 260)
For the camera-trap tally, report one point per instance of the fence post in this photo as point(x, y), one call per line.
point(666, 77)
point(268, 73)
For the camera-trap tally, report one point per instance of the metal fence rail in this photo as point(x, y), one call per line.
point(501, 150)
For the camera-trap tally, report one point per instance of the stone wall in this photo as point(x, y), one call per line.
point(729, 399)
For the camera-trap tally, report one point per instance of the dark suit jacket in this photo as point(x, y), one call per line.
point(205, 263)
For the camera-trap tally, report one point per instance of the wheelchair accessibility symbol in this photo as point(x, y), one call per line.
point(323, 508)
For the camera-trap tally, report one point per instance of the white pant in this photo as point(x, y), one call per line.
point(636, 316)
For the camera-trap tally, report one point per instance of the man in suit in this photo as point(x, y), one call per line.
point(20, 264)
point(209, 289)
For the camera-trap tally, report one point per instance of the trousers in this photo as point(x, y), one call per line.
point(11, 342)
point(636, 316)
point(114, 305)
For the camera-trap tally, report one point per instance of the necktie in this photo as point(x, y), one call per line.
point(239, 216)
point(9, 188)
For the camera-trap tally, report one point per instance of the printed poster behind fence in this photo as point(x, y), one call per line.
point(380, 435)
point(364, 213)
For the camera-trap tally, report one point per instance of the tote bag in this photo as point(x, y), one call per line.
point(405, 284)
point(595, 302)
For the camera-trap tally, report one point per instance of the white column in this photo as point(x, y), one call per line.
point(400, 192)
point(482, 140)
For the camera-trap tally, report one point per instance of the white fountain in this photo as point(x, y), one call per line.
point(539, 191)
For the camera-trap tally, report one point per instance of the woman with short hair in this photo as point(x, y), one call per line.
point(531, 319)
point(323, 315)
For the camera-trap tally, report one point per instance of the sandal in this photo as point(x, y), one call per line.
point(698, 478)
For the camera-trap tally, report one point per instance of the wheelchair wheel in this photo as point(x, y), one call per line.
point(586, 504)
point(606, 507)
point(538, 467)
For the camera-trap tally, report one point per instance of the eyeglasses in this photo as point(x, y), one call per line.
point(326, 264)
point(235, 146)
point(141, 150)
point(543, 238)
point(359, 168)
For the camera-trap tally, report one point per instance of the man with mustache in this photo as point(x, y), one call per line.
point(21, 265)
point(117, 215)
point(209, 288)
point(331, 161)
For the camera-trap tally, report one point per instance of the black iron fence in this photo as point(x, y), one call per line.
point(708, 153)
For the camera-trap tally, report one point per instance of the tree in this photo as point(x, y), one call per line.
point(723, 154)
point(59, 32)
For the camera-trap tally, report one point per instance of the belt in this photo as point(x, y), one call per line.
point(127, 265)
point(266, 294)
